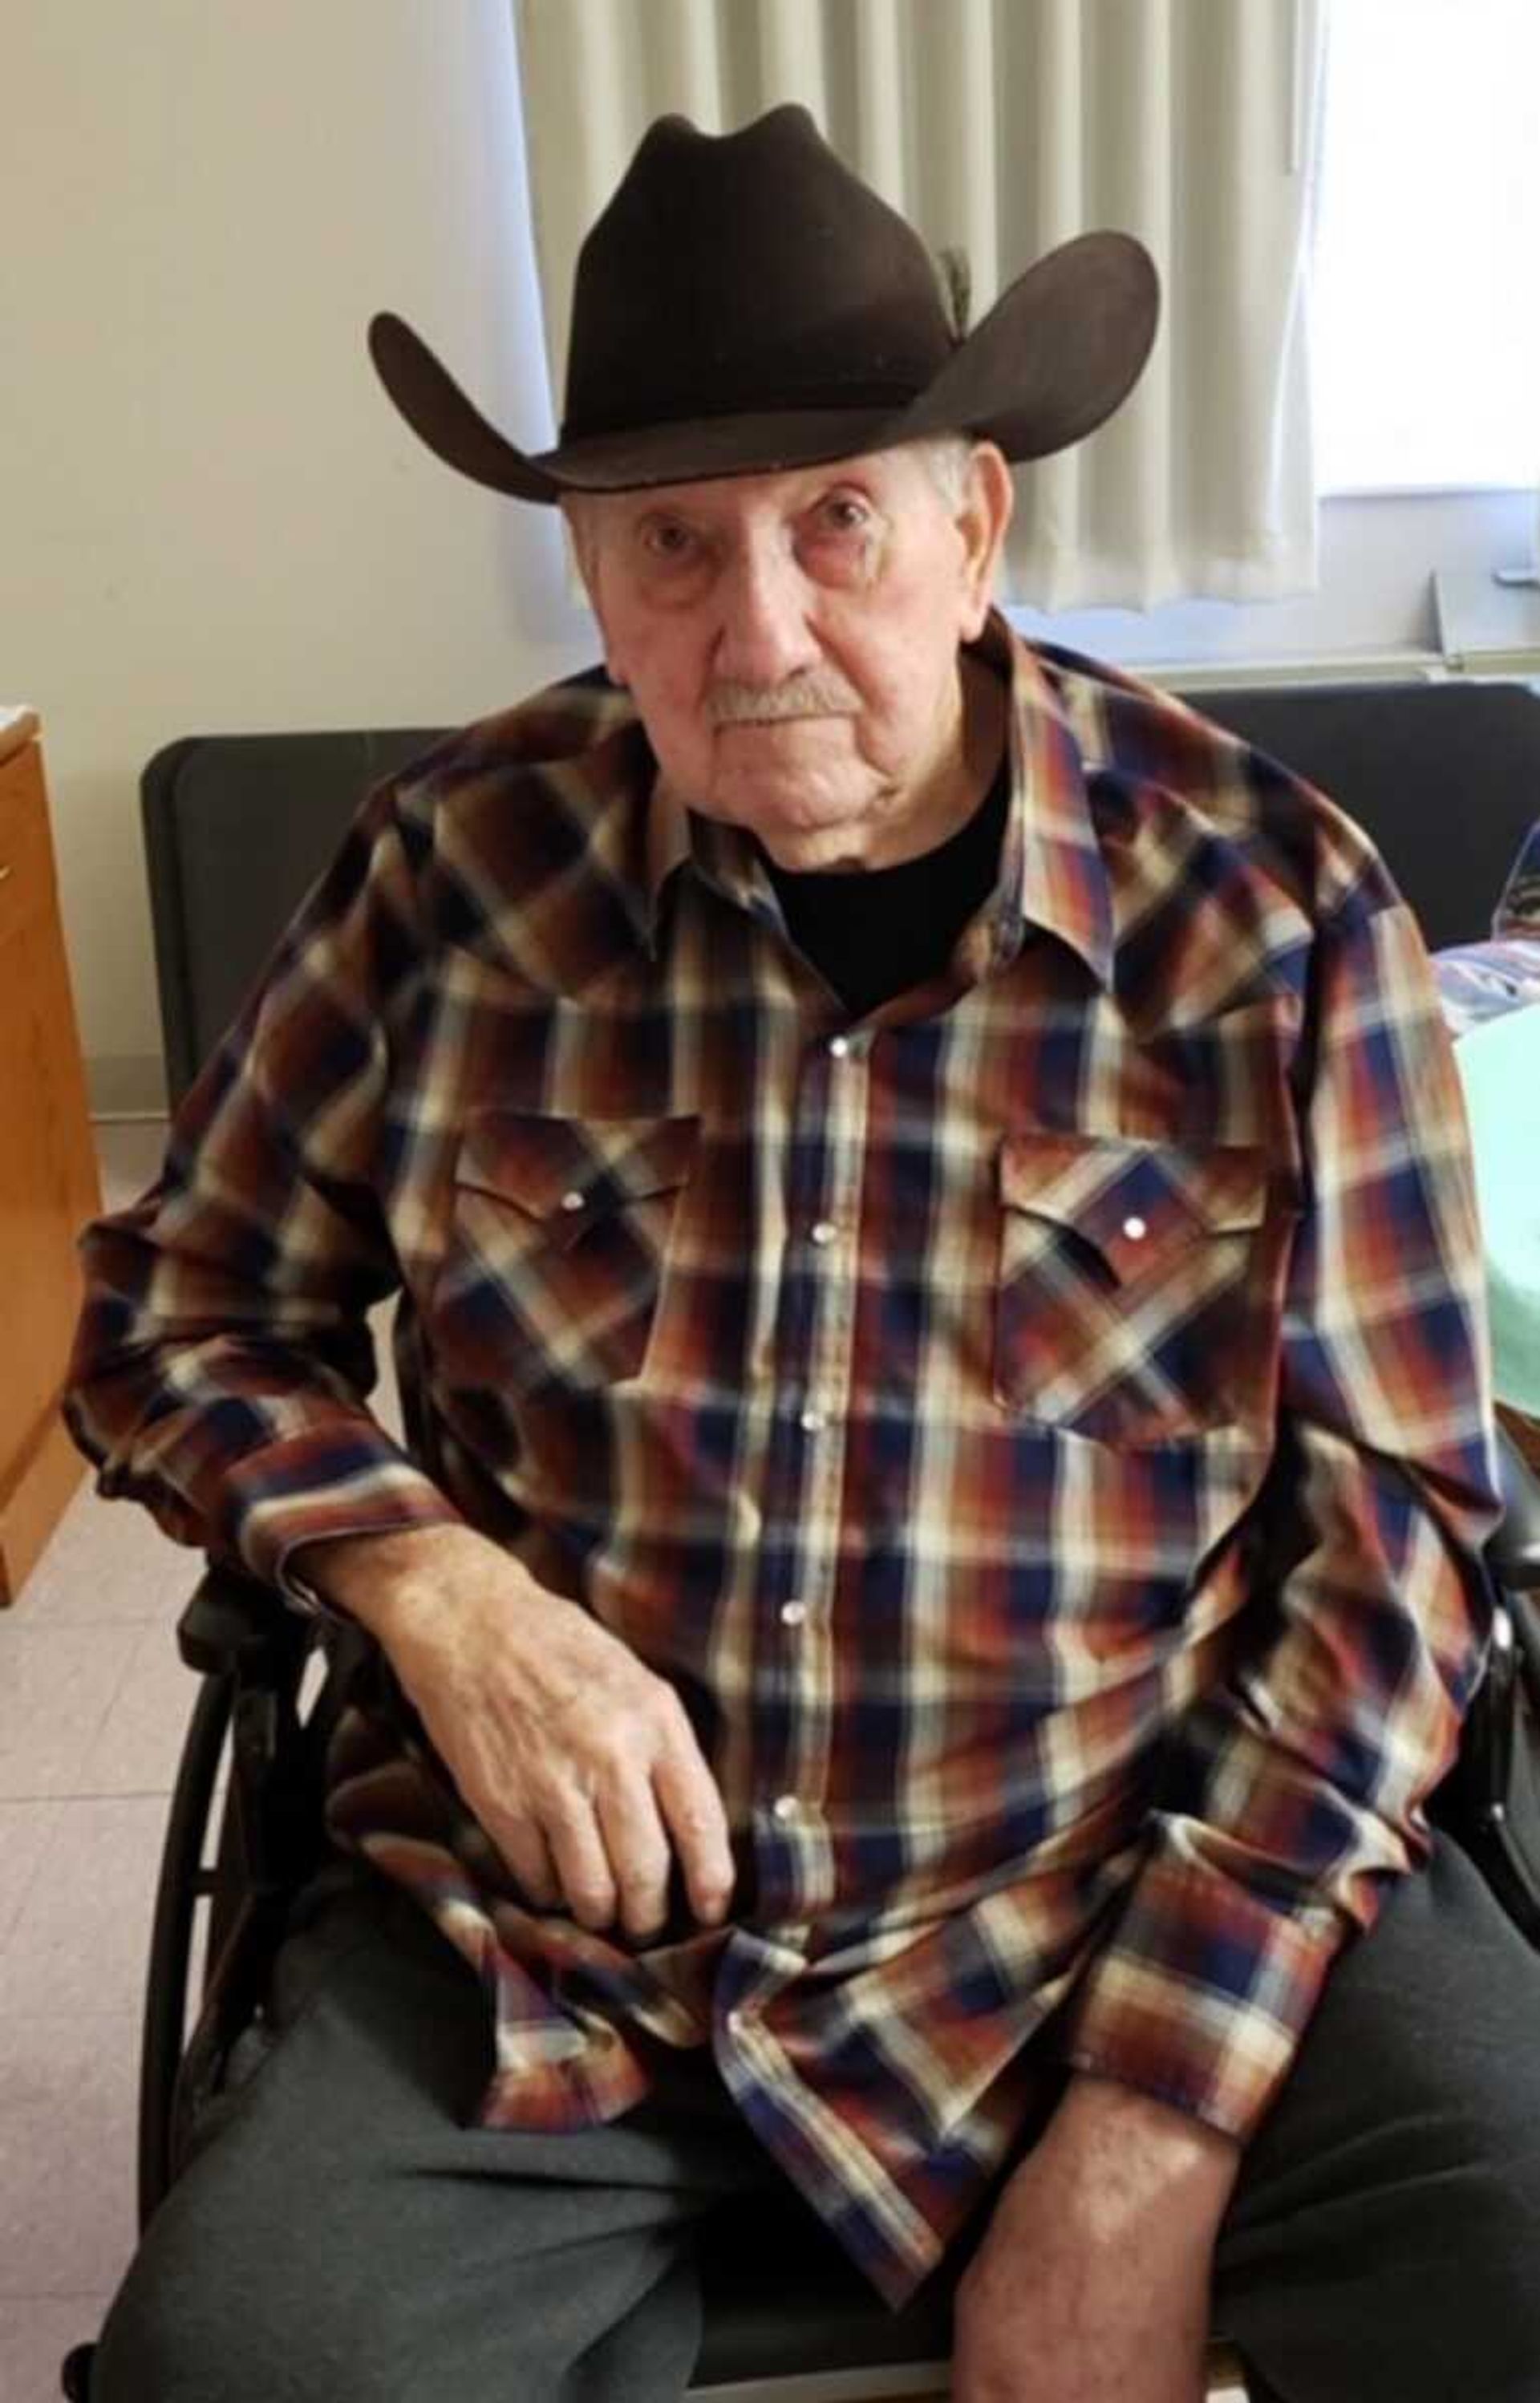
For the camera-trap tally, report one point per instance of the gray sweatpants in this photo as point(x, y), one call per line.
point(343, 2237)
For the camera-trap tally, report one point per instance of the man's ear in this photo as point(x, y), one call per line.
point(988, 498)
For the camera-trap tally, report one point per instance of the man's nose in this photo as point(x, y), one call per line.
point(764, 635)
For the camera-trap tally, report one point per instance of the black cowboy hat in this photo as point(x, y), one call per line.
point(745, 304)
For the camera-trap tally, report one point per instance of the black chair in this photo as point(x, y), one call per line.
point(236, 827)
point(1445, 777)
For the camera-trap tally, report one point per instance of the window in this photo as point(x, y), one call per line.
point(1425, 314)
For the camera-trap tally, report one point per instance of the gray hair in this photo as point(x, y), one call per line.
point(947, 459)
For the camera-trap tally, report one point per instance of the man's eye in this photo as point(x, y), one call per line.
point(666, 539)
point(842, 513)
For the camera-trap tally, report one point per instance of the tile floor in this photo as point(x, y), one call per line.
point(93, 1701)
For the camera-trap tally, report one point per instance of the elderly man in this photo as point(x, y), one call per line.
point(936, 1556)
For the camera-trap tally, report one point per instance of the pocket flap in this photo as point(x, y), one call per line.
point(1133, 1203)
point(571, 1170)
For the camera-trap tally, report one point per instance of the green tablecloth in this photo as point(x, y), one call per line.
point(1500, 1069)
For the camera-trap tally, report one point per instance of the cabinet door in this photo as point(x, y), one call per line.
point(48, 1173)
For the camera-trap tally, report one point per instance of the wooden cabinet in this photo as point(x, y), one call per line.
point(48, 1165)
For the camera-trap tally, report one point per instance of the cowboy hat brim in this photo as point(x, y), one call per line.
point(1059, 351)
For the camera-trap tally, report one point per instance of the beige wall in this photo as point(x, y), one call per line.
point(210, 517)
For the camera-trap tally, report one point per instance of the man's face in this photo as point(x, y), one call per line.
point(791, 642)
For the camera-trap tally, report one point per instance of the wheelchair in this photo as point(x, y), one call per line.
point(235, 828)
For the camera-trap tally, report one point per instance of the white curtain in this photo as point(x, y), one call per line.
point(1003, 127)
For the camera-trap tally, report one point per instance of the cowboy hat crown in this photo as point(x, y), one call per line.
point(745, 304)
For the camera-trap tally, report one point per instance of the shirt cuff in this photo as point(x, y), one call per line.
point(1202, 1994)
point(318, 1484)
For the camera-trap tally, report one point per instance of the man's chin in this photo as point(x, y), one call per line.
point(785, 811)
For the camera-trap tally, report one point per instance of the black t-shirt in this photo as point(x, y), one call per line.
point(872, 932)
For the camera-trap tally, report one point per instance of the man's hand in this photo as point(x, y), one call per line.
point(1091, 2282)
point(578, 1761)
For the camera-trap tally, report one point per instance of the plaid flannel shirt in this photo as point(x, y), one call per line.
point(1040, 1429)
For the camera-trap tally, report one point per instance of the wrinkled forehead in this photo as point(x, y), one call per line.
point(897, 477)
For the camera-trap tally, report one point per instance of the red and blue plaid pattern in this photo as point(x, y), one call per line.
point(1041, 1430)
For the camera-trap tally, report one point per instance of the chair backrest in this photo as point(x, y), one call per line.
point(1445, 777)
point(237, 829)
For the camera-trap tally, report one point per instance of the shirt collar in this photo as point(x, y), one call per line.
point(1052, 875)
point(727, 857)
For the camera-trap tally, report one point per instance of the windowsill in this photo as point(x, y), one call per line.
point(1473, 489)
point(1370, 615)
point(1409, 666)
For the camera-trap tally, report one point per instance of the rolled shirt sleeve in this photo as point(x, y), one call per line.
point(1291, 1793)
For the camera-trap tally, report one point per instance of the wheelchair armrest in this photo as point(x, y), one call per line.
point(243, 1635)
point(234, 1624)
point(1513, 1554)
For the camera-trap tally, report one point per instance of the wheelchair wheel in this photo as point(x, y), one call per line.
point(185, 1881)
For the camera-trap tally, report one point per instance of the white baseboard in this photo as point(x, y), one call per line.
point(126, 1085)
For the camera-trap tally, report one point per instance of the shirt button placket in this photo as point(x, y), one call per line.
point(828, 1404)
point(831, 1111)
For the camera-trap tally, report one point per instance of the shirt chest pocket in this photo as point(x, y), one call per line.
point(559, 1234)
point(1139, 1287)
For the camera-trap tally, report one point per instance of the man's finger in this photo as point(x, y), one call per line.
point(638, 1851)
point(527, 1856)
point(582, 1863)
point(697, 1826)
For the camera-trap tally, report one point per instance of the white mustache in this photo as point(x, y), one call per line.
point(803, 696)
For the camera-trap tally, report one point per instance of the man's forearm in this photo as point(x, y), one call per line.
point(1119, 2147)
point(1092, 2278)
point(399, 1578)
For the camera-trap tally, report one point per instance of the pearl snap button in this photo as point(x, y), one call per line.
point(1135, 1230)
point(785, 1807)
point(573, 1201)
point(825, 1231)
point(736, 2022)
point(812, 1422)
point(792, 1615)
point(839, 1047)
